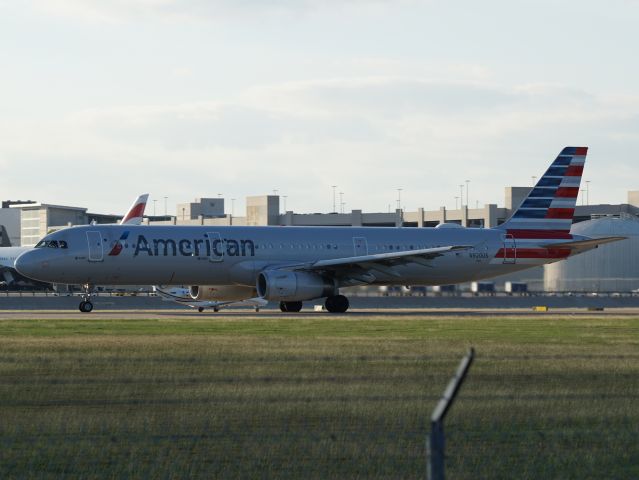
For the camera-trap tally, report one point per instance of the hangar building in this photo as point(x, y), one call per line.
point(609, 268)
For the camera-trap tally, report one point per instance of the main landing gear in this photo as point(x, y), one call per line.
point(290, 306)
point(85, 305)
point(336, 304)
point(201, 309)
point(333, 304)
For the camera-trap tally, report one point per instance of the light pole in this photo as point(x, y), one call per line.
point(341, 202)
point(467, 197)
point(461, 196)
point(334, 187)
point(275, 192)
point(399, 198)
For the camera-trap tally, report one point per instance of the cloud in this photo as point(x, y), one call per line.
point(368, 135)
point(122, 10)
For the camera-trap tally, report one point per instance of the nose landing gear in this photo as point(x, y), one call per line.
point(85, 305)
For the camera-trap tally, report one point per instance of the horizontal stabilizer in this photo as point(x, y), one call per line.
point(585, 244)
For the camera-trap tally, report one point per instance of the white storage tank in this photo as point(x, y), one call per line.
point(610, 268)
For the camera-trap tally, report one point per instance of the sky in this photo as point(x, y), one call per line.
point(101, 100)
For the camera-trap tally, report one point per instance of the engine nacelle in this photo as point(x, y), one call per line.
point(285, 286)
point(222, 293)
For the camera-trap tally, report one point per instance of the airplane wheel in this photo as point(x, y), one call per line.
point(86, 307)
point(200, 309)
point(336, 304)
point(216, 309)
point(257, 309)
point(290, 306)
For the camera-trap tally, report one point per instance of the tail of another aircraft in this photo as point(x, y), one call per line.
point(136, 212)
point(547, 211)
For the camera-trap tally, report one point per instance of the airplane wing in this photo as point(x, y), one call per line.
point(360, 269)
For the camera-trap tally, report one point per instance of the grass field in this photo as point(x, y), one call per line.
point(317, 397)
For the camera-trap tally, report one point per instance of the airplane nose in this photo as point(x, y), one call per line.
point(27, 265)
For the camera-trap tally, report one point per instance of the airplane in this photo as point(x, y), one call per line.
point(296, 264)
point(185, 296)
point(8, 255)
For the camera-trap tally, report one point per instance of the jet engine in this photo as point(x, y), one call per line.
point(286, 286)
point(222, 293)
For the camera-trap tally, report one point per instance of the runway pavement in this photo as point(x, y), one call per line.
point(28, 306)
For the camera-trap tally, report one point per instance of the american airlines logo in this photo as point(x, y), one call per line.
point(119, 245)
point(186, 247)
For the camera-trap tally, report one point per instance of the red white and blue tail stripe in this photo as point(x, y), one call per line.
point(548, 210)
point(539, 230)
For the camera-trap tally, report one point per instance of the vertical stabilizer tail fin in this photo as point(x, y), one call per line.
point(136, 213)
point(548, 210)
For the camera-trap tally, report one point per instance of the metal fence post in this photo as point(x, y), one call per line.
point(437, 440)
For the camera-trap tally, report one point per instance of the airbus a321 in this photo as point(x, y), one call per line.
point(295, 264)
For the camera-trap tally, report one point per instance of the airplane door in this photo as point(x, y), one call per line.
point(510, 249)
point(216, 247)
point(94, 240)
point(361, 246)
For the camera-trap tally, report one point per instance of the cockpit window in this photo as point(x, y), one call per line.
point(51, 244)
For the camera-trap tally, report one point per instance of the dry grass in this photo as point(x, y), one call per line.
point(317, 398)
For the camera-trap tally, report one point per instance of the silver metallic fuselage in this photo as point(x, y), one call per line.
point(210, 255)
